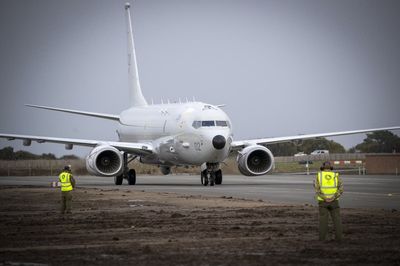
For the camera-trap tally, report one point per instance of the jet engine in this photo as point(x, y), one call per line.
point(104, 160)
point(255, 160)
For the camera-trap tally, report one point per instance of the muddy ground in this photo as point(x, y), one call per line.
point(115, 227)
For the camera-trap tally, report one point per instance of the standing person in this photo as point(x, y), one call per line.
point(67, 185)
point(328, 188)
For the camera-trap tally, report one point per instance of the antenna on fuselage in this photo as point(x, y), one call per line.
point(136, 97)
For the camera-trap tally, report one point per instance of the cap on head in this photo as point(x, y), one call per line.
point(326, 166)
point(67, 167)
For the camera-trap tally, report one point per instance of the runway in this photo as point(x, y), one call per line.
point(360, 191)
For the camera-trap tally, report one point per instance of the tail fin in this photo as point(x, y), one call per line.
point(136, 97)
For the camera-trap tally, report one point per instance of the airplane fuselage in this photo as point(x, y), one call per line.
point(190, 133)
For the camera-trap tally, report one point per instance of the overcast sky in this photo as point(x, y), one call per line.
point(282, 67)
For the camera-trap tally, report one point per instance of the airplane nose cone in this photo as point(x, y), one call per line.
point(219, 142)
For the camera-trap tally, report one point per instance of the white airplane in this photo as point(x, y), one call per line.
point(183, 134)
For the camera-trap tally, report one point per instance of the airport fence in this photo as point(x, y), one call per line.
point(54, 167)
point(323, 157)
point(283, 164)
point(39, 167)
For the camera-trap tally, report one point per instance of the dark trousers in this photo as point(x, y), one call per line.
point(66, 199)
point(332, 209)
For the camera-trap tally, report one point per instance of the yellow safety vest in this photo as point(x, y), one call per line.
point(65, 180)
point(328, 182)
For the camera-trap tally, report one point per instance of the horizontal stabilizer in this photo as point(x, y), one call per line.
point(98, 115)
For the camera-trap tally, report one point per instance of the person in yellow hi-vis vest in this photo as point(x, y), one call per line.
point(328, 188)
point(67, 185)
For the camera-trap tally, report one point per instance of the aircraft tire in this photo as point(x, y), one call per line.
point(118, 180)
point(212, 178)
point(132, 177)
point(218, 177)
point(204, 178)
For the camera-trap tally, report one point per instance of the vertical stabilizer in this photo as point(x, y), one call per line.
point(136, 97)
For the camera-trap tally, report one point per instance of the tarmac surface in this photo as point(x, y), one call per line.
point(174, 220)
point(368, 191)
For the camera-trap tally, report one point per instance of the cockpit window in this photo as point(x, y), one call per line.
point(222, 123)
point(196, 124)
point(208, 123)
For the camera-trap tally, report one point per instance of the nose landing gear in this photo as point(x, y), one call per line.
point(212, 175)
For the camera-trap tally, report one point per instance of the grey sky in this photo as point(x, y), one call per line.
point(282, 67)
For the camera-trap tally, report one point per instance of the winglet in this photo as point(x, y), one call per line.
point(136, 97)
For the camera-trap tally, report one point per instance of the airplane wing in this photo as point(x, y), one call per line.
point(98, 115)
point(134, 148)
point(237, 145)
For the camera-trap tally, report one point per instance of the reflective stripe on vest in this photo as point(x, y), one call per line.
point(328, 182)
point(65, 180)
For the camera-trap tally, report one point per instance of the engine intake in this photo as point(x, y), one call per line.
point(255, 160)
point(104, 161)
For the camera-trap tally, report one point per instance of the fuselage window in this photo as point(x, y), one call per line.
point(208, 123)
point(196, 124)
point(222, 123)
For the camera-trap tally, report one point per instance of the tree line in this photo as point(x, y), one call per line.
point(8, 153)
point(376, 142)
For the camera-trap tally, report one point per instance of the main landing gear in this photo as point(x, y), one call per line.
point(212, 175)
point(128, 174)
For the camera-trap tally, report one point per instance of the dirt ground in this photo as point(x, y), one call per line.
point(116, 227)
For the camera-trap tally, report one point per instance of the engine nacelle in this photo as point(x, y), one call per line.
point(104, 160)
point(255, 160)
